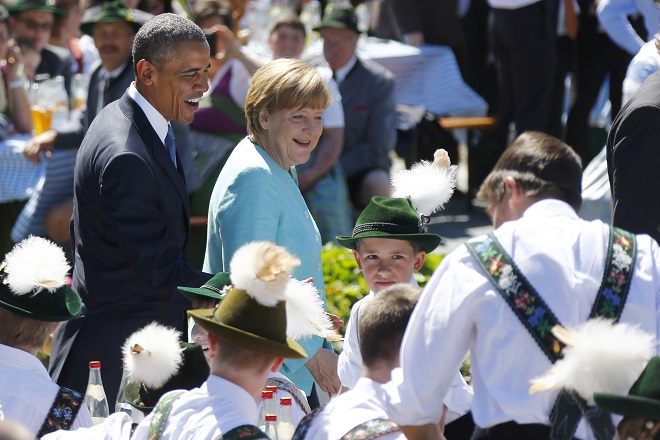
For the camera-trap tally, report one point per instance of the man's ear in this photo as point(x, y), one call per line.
point(514, 189)
point(212, 351)
point(356, 254)
point(264, 117)
point(145, 71)
point(277, 363)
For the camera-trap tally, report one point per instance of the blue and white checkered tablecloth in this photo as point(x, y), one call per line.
point(19, 177)
point(55, 187)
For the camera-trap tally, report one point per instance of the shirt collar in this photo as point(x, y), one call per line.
point(22, 359)
point(340, 74)
point(550, 208)
point(115, 73)
point(218, 386)
point(157, 121)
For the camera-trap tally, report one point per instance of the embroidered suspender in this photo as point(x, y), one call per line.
point(305, 423)
point(371, 430)
point(538, 319)
point(244, 432)
point(62, 412)
point(289, 387)
point(160, 412)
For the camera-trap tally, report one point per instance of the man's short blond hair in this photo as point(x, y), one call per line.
point(19, 331)
point(282, 84)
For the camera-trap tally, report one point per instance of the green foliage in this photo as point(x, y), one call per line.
point(344, 284)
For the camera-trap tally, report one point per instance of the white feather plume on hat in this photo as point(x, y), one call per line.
point(262, 270)
point(35, 264)
point(429, 185)
point(152, 355)
point(305, 315)
point(600, 357)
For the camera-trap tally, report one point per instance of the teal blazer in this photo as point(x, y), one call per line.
point(256, 199)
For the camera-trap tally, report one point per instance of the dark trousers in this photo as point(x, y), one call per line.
point(460, 429)
point(566, 59)
point(524, 49)
point(513, 431)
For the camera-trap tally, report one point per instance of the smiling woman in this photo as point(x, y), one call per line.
point(256, 196)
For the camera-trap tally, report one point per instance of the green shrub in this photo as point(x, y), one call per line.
point(344, 284)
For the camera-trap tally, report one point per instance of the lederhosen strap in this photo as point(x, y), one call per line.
point(244, 432)
point(371, 430)
point(289, 387)
point(538, 319)
point(160, 413)
point(305, 424)
point(62, 412)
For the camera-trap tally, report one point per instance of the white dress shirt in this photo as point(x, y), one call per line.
point(27, 391)
point(157, 121)
point(350, 409)
point(563, 257)
point(207, 412)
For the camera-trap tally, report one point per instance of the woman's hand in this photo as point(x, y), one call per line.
point(14, 63)
point(323, 366)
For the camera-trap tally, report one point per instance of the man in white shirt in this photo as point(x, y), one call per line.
point(533, 194)
point(381, 326)
point(34, 299)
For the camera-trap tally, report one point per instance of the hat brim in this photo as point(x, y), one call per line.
point(62, 305)
point(87, 27)
point(288, 349)
point(335, 24)
point(631, 406)
point(428, 242)
point(44, 8)
point(192, 292)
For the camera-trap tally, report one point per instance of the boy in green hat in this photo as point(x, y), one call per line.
point(247, 338)
point(34, 299)
point(390, 243)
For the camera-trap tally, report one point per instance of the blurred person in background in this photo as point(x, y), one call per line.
point(66, 35)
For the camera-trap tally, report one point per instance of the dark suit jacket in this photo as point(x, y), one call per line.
point(129, 230)
point(633, 153)
point(367, 96)
point(72, 135)
point(56, 61)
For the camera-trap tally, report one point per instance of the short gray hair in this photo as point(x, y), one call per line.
point(158, 38)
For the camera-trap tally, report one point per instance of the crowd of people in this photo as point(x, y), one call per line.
point(282, 155)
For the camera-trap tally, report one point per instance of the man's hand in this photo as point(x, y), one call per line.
point(323, 366)
point(44, 142)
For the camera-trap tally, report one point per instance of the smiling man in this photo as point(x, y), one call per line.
point(131, 215)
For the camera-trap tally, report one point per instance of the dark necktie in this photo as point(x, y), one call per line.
point(170, 144)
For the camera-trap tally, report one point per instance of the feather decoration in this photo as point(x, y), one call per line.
point(262, 269)
point(600, 357)
point(153, 355)
point(35, 264)
point(429, 185)
point(305, 315)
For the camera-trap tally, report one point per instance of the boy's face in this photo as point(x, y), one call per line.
point(201, 336)
point(387, 261)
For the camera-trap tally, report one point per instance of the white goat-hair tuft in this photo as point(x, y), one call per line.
point(35, 264)
point(152, 355)
point(429, 185)
point(305, 315)
point(600, 357)
point(262, 269)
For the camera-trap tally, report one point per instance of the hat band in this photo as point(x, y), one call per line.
point(389, 228)
point(213, 288)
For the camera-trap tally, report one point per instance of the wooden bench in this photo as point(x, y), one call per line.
point(470, 123)
point(199, 220)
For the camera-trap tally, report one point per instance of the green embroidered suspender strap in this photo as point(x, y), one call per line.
point(289, 387)
point(244, 432)
point(160, 413)
point(62, 412)
point(371, 430)
point(537, 318)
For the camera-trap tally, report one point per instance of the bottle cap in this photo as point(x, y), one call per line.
point(285, 401)
point(272, 388)
point(266, 394)
point(95, 364)
point(271, 418)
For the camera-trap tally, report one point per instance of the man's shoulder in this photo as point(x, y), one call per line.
point(648, 95)
point(374, 69)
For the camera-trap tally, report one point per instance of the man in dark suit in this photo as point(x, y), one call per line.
point(131, 215)
point(32, 20)
point(632, 161)
point(367, 95)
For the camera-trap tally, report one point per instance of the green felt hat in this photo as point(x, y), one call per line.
point(643, 399)
point(192, 372)
point(35, 5)
point(388, 217)
point(33, 282)
point(111, 12)
point(243, 321)
point(340, 18)
point(214, 288)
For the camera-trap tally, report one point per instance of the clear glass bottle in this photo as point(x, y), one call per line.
point(95, 398)
point(60, 104)
point(285, 424)
point(266, 406)
point(270, 429)
point(121, 404)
